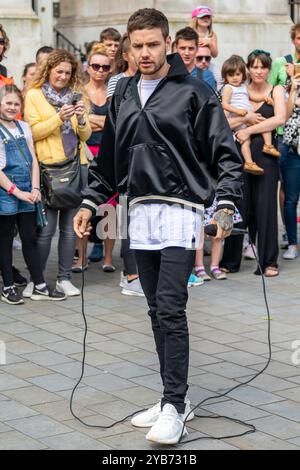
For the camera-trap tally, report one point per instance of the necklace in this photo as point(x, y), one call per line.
point(6, 120)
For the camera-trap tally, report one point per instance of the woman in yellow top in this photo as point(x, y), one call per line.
point(58, 124)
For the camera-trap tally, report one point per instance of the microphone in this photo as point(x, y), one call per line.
point(212, 229)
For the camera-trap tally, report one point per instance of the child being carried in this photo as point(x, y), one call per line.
point(235, 102)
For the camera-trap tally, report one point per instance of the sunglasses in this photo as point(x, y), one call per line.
point(200, 58)
point(2, 41)
point(97, 67)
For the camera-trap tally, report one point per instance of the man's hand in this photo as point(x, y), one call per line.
point(224, 222)
point(81, 224)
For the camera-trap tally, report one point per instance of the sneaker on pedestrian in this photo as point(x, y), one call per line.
point(248, 252)
point(11, 296)
point(19, 280)
point(195, 281)
point(291, 252)
point(66, 287)
point(76, 255)
point(148, 418)
point(132, 288)
point(97, 253)
point(285, 241)
point(77, 268)
point(123, 279)
point(168, 428)
point(46, 293)
point(27, 292)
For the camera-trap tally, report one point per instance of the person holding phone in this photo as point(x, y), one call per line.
point(58, 118)
point(19, 193)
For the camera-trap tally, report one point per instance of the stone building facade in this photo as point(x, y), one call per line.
point(241, 25)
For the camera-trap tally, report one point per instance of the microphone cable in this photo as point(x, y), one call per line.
point(83, 366)
point(250, 427)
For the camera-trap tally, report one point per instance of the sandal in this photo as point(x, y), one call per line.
point(271, 269)
point(225, 270)
point(203, 274)
point(218, 274)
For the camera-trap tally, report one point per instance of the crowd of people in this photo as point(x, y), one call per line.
point(59, 117)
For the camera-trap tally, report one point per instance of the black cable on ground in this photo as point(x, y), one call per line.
point(251, 428)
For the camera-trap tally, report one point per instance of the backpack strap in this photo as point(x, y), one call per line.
point(120, 90)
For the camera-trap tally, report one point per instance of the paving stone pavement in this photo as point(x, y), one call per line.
point(228, 332)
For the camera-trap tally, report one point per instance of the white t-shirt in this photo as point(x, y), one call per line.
point(15, 132)
point(155, 226)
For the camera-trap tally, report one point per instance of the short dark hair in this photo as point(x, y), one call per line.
point(43, 50)
point(110, 33)
point(295, 28)
point(264, 57)
point(148, 18)
point(231, 65)
point(187, 34)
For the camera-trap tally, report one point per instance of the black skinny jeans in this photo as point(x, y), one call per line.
point(164, 275)
point(27, 230)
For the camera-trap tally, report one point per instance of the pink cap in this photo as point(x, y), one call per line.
point(201, 11)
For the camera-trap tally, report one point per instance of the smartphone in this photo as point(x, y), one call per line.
point(76, 96)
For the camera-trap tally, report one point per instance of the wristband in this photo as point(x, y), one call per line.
point(11, 189)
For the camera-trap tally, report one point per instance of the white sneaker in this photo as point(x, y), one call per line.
point(291, 252)
point(27, 292)
point(168, 428)
point(132, 288)
point(66, 287)
point(148, 418)
point(123, 279)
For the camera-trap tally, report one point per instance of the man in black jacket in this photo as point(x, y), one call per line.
point(165, 133)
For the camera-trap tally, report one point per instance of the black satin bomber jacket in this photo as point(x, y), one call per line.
point(178, 146)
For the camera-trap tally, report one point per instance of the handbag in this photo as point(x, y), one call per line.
point(61, 184)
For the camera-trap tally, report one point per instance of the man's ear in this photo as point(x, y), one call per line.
point(169, 43)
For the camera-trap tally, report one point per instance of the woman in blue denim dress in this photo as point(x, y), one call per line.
point(19, 192)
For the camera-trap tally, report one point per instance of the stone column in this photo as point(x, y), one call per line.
point(23, 29)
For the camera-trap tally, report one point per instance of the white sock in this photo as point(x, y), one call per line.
point(40, 286)
point(8, 287)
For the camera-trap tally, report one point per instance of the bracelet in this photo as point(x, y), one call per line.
point(11, 189)
point(38, 189)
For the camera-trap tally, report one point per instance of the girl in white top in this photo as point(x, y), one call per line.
point(202, 24)
point(235, 102)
